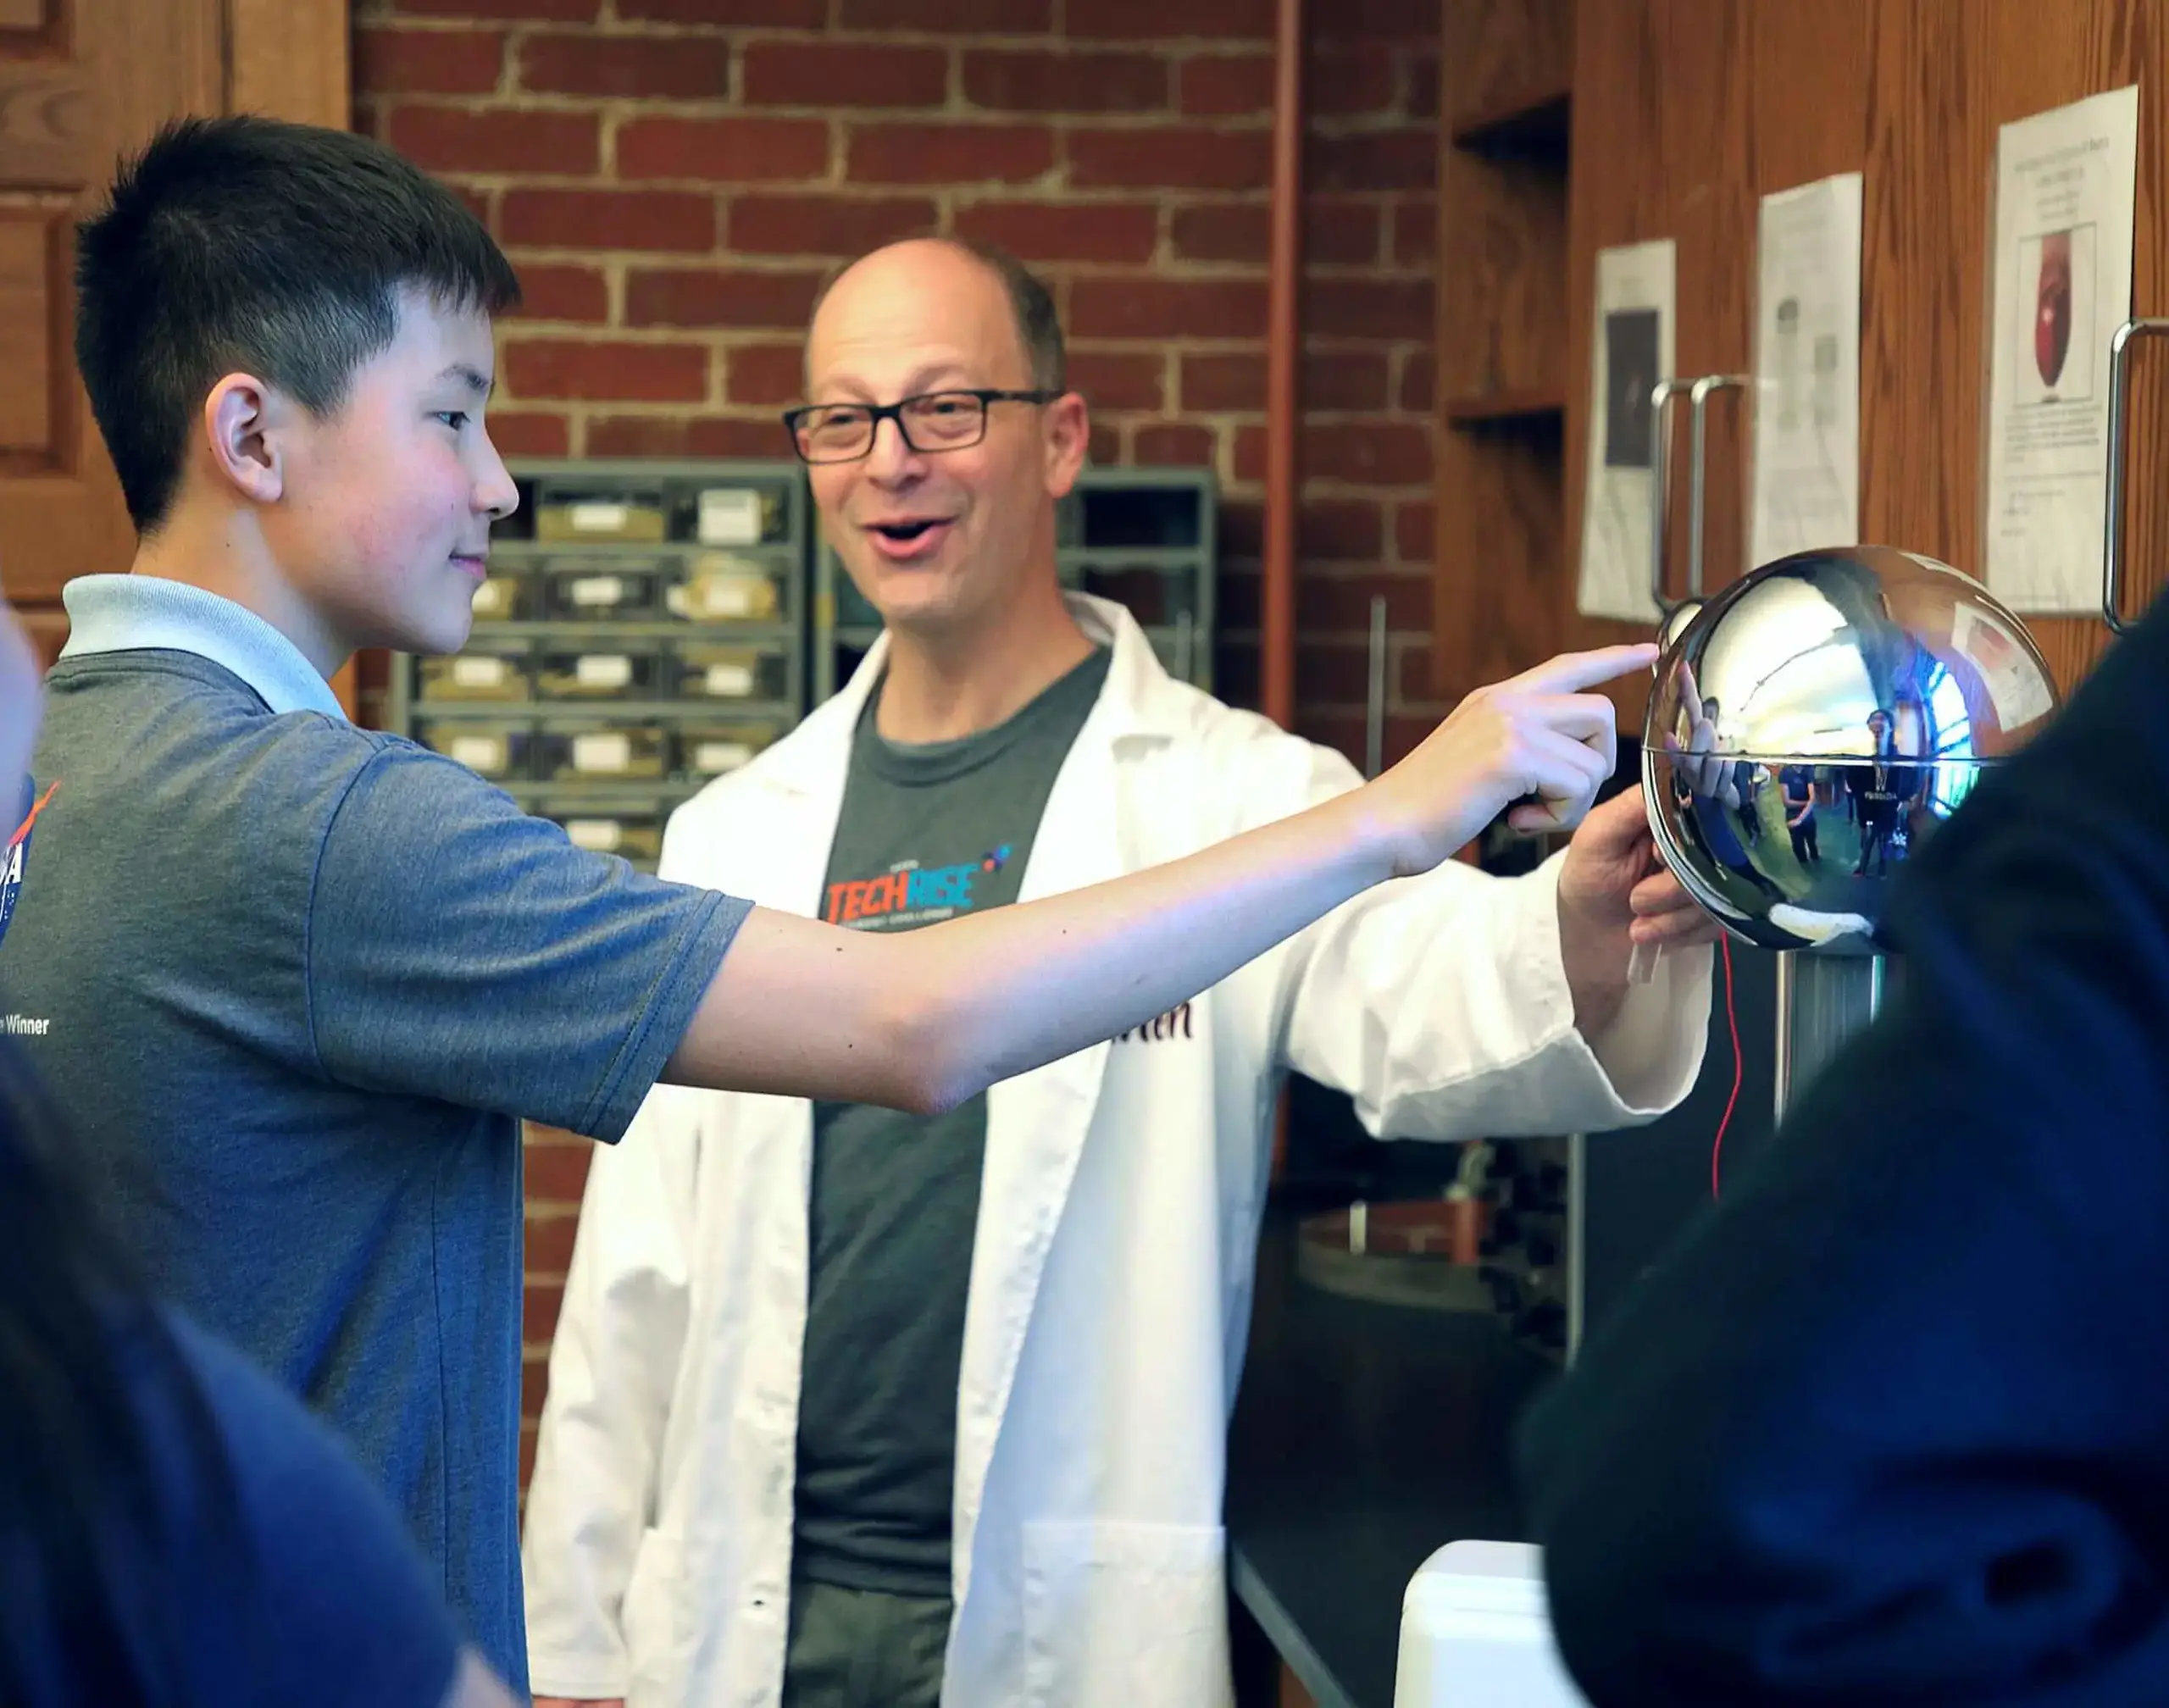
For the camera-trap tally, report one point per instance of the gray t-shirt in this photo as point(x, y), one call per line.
point(926, 832)
point(291, 984)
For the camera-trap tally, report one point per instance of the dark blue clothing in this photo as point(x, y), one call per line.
point(310, 1591)
point(1892, 1424)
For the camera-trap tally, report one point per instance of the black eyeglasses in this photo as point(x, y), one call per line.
point(929, 422)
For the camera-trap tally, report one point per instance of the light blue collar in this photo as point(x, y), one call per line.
point(127, 614)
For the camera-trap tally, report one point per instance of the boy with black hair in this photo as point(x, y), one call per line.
point(294, 982)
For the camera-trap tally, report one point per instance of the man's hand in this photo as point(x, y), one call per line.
point(1537, 747)
point(1614, 892)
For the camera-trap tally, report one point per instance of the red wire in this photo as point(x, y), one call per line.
point(1732, 1019)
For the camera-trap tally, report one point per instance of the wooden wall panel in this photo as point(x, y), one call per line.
point(1945, 75)
point(1503, 301)
point(1506, 54)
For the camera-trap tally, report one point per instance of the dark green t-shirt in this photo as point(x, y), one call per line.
point(926, 832)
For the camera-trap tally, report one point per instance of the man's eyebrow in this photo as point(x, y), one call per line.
point(473, 378)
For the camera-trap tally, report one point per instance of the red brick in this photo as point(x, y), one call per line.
point(557, 1173)
point(614, 371)
point(1368, 308)
point(709, 296)
point(609, 219)
point(1415, 232)
point(952, 17)
point(1345, 380)
point(1176, 444)
point(839, 74)
point(764, 373)
point(826, 224)
point(1418, 387)
point(521, 11)
point(1368, 453)
point(1171, 158)
point(478, 203)
point(427, 62)
point(1371, 453)
point(1341, 603)
point(1167, 308)
point(1104, 448)
point(1066, 231)
point(1241, 534)
point(534, 1382)
point(1345, 83)
point(562, 293)
point(1066, 82)
point(675, 435)
point(1421, 100)
point(1226, 86)
point(519, 433)
point(538, 1317)
point(550, 1241)
point(456, 139)
point(1155, 20)
point(1327, 529)
point(1335, 233)
point(949, 153)
point(1333, 673)
point(1119, 380)
point(1212, 384)
point(1413, 20)
point(1416, 532)
point(724, 150)
point(677, 68)
point(1372, 160)
point(738, 14)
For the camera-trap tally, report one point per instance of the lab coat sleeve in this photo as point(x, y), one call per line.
point(1440, 1004)
point(612, 1366)
point(1891, 1424)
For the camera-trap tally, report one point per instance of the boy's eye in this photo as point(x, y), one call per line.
point(453, 418)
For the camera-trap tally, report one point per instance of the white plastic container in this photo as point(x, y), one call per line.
point(1475, 1633)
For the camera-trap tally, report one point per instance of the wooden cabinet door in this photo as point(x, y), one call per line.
point(81, 81)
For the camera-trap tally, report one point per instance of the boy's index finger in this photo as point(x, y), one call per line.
point(1572, 672)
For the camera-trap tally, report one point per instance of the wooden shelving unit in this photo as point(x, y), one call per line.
point(1502, 334)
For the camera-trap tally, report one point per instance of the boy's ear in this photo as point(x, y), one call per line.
point(240, 416)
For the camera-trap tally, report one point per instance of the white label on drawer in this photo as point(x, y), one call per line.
point(731, 681)
point(604, 670)
point(602, 752)
point(730, 516)
point(597, 835)
point(599, 590)
point(727, 598)
point(483, 753)
point(480, 673)
point(493, 599)
point(715, 757)
point(599, 519)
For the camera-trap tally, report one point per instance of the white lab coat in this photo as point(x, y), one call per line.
point(1111, 1278)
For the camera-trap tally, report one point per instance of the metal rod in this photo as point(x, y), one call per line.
point(1697, 399)
point(1283, 359)
point(1660, 396)
point(1185, 644)
point(2112, 504)
point(1374, 707)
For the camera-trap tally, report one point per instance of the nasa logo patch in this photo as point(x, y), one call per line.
point(16, 856)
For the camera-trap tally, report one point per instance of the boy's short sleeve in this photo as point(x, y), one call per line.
point(462, 951)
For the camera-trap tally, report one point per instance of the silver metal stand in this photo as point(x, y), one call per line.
point(1822, 1000)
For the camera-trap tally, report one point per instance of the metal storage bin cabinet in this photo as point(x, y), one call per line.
point(1145, 537)
point(641, 632)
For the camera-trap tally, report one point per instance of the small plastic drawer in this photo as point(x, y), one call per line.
point(600, 516)
point(634, 836)
point(603, 592)
point(598, 670)
point(719, 514)
point(709, 749)
point(500, 750)
point(713, 671)
point(605, 751)
point(489, 669)
point(506, 596)
point(721, 587)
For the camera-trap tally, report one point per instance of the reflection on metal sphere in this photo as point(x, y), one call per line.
point(1815, 721)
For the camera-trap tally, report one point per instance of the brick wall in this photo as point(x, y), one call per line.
point(674, 189)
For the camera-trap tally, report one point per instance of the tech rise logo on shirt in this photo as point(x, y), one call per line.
point(910, 894)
